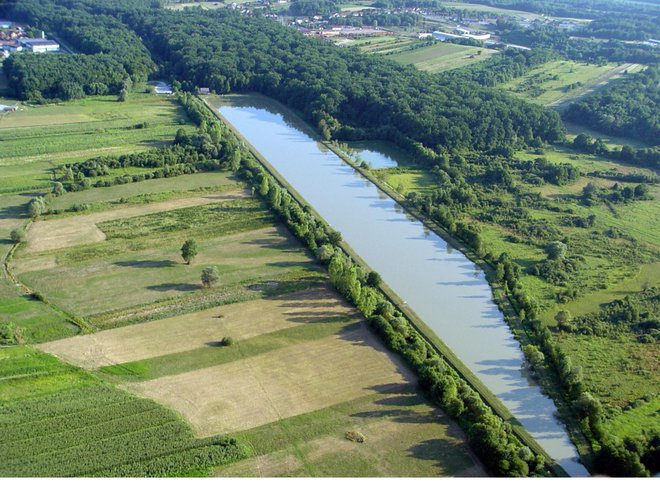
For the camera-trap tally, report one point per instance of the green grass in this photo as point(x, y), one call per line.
point(220, 219)
point(140, 263)
point(39, 138)
point(404, 438)
point(548, 83)
point(443, 56)
point(635, 420)
point(58, 421)
point(618, 371)
point(209, 356)
point(152, 190)
point(406, 180)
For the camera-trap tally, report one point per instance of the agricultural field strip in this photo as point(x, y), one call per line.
point(195, 330)
point(595, 84)
point(83, 229)
point(290, 381)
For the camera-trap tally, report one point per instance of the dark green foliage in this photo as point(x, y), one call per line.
point(342, 92)
point(210, 276)
point(189, 250)
point(627, 108)
point(34, 76)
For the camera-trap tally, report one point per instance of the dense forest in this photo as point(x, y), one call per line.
point(342, 92)
point(109, 53)
point(627, 108)
point(35, 76)
point(622, 27)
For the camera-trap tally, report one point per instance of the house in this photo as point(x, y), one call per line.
point(204, 90)
point(39, 45)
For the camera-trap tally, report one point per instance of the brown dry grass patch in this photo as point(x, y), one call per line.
point(279, 384)
point(76, 230)
point(195, 330)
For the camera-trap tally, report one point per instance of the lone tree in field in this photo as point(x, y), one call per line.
point(189, 250)
point(210, 276)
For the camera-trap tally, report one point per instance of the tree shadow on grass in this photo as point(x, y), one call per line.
point(165, 263)
point(435, 450)
point(174, 287)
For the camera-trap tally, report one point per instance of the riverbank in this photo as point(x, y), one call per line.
point(423, 329)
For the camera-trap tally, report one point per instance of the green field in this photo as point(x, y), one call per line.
point(59, 421)
point(563, 81)
point(37, 138)
point(443, 56)
point(384, 45)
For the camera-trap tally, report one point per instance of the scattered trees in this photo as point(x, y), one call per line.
point(17, 235)
point(210, 276)
point(189, 250)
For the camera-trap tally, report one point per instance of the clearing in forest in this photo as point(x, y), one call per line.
point(440, 56)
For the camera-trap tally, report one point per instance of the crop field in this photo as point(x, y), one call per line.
point(561, 82)
point(385, 44)
point(443, 56)
point(199, 330)
point(65, 232)
point(317, 371)
point(58, 421)
point(79, 130)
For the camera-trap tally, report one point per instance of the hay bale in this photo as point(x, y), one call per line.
point(355, 436)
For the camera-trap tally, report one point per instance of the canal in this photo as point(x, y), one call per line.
point(444, 288)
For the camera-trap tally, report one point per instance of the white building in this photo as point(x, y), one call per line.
point(40, 45)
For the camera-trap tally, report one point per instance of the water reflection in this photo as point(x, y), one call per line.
point(441, 285)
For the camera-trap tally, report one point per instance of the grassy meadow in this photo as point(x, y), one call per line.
point(38, 138)
point(439, 57)
point(560, 82)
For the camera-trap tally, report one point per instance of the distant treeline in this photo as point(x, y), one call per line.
point(381, 19)
point(571, 8)
point(629, 108)
point(551, 37)
point(512, 63)
point(344, 93)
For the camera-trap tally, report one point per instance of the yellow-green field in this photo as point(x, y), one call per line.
point(558, 83)
point(443, 56)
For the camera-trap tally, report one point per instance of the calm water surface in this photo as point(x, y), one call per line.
point(441, 285)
